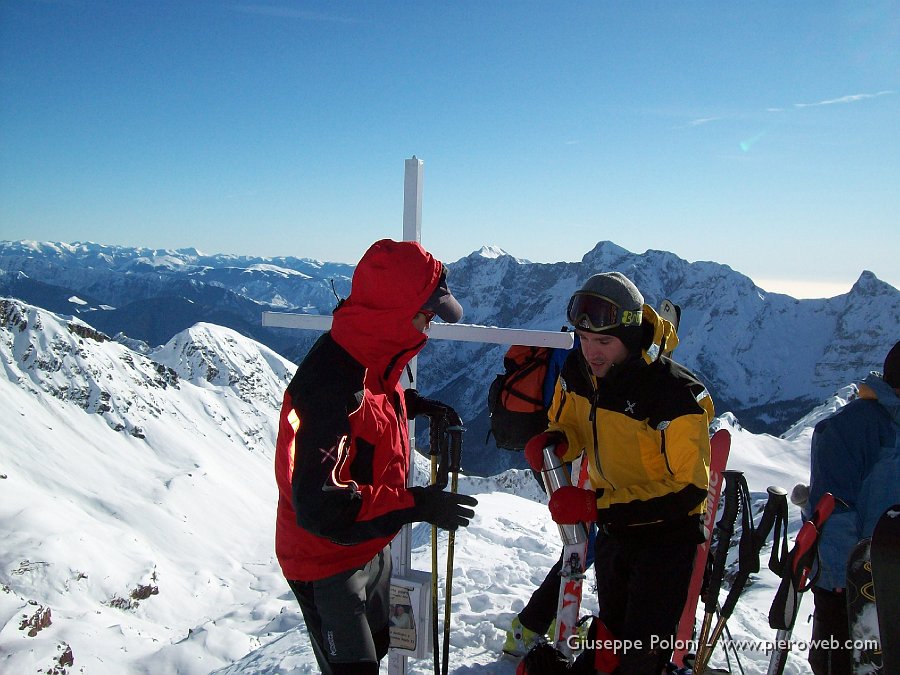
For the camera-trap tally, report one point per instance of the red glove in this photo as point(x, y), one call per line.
point(570, 504)
point(534, 448)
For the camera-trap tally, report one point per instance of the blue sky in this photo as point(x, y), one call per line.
point(762, 135)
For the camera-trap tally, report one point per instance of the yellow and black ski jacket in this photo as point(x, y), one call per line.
point(644, 430)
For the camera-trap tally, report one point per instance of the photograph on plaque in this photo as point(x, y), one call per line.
point(403, 617)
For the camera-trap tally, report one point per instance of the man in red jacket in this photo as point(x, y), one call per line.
point(342, 455)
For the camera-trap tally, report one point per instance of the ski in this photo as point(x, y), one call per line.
point(861, 612)
point(795, 580)
point(575, 543)
point(886, 577)
point(720, 445)
point(670, 312)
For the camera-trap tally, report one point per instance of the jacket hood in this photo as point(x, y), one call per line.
point(392, 282)
point(660, 336)
point(874, 387)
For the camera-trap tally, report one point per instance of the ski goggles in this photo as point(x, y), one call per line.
point(597, 313)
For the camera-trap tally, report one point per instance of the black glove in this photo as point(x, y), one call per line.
point(416, 404)
point(447, 510)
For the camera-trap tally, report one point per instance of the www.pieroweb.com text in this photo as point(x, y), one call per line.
point(616, 646)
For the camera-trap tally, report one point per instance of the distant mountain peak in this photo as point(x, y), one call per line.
point(868, 285)
point(493, 253)
point(490, 252)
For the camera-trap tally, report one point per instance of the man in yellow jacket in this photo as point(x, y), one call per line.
point(642, 422)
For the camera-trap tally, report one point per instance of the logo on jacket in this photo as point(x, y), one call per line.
point(629, 406)
point(328, 454)
point(339, 454)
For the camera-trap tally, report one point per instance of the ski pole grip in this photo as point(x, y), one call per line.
point(748, 547)
point(724, 530)
point(776, 509)
point(823, 510)
point(806, 545)
point(436, 432)
point(455, 433)
point(438, 449)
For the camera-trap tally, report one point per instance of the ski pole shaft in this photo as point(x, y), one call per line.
point(724, 530)
point(782, 648)
point(737, 656)
point(455, 456)
point(448, 593)
point(434, 571)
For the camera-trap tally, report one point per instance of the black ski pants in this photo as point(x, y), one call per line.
point(346, 616)
point(831, 624)
point(540, 609)
point(642, 584)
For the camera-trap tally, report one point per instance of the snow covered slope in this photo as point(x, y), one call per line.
point(137, 501)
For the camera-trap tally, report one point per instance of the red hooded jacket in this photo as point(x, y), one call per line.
point(342, 453)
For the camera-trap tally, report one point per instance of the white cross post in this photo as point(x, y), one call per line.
point(401, 547)
point(401, 553)
point(412, 231)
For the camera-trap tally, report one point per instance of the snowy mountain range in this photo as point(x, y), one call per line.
point(767, 358)
point(138, 509)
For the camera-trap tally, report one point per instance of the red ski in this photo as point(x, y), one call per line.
point(575, 543)
point(720, 445)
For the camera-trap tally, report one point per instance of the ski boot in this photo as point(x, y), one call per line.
point(520, 639)
point(544, 659)
point(581, 630)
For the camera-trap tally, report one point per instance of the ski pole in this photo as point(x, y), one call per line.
point(751, 542)
point(436, 441)
point(748, 561)
point(724, 530)
point(795, 580)
point(737, 657)
point(455, 455)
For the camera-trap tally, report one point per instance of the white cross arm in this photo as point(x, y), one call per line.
point(465, 332)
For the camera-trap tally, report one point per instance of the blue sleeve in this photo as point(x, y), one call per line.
point(557, 358)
